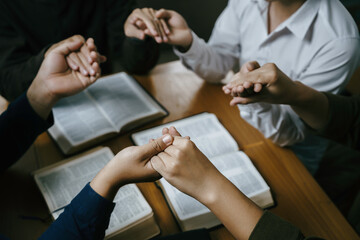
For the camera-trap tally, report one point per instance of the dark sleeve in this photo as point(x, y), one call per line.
point(343, 123)
point(86, 217)
point(19, 127)
point(136, 56)
point(271, 226)
point(18, 66)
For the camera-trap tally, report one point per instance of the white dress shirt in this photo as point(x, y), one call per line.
point(318, 45)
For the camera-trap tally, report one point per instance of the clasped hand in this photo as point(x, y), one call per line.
point(165, 26)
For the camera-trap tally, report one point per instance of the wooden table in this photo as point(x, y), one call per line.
point(299, 198)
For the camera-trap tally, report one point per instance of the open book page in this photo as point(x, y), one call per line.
point(130, 207)
point(78, 119)
point(235, 166)
point(204, 129)
point(60, 184)
point(238, 168)
point(122, 100)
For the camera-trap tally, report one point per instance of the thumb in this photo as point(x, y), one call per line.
point(249, 66)
point(162, 13)
point(156, 146)
point(71, 44)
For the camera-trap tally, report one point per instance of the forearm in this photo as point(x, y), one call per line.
point(19, 127)
point(105, 185)
point(207, 61)
point(86, 217)
point(237, 212)
point(343, 121)
point(311, 106)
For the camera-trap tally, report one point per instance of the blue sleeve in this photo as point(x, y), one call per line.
point(19, 127)
point(86, 217)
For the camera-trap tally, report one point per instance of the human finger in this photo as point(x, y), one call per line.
point(163, 14)
point(69, 45)
point(240, 100)
point(76, 60)
point(159, 162)
point(86, 63)
point(159, 26)
point(96, 67)
point(258, 87)
point(165, 131)
point(158, 37)
point(98, 57)
point(140, 24)
point(90, 42)
point(154, 147)
point(165, 26)
point(71, 64)
point(86, 53)
point(174, 132)
point(146, 17)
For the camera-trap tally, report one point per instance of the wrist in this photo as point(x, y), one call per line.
point(212, 190)
point(105, 185)
point(302, 95)
point(185, 45)
point(40, 99)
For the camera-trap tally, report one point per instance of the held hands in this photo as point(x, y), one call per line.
point(261, 84)
point(130, 165)
point(87, 61)
point(56, 79)
point(165, 26)
point(184, 166)
point(171, 156)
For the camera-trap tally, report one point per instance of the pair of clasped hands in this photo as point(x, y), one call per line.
point(171, 156)
point(251, 84)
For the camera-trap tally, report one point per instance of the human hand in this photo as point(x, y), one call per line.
point(261, 84)
point(179, 32)
point(87, 60)
point(143, 22)
point(185, 167)
point(55, 79)
point(130, 165)
point(165, 26)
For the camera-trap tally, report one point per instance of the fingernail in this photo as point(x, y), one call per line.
point(85, 72)
point(167, 139)
point(92, 71)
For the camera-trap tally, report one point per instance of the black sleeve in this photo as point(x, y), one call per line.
point(18, 66)
point(136, 56)
point(271, 226)
point(343, 123)
point(19, 127)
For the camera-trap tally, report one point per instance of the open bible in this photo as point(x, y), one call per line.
point(113, 104)
point(219, 146)
point(132, 217)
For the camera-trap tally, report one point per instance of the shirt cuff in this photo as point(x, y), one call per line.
point(88, 204)
point(193, 52)
point(328, 125)
point(271, 226)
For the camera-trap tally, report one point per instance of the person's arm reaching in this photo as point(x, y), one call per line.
point(186, 168)
point(29, 115)
point(211, 62)
point(88, 215)
point(335, 117)
point(137, 56)
point(271, 85)
point(328, 71)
